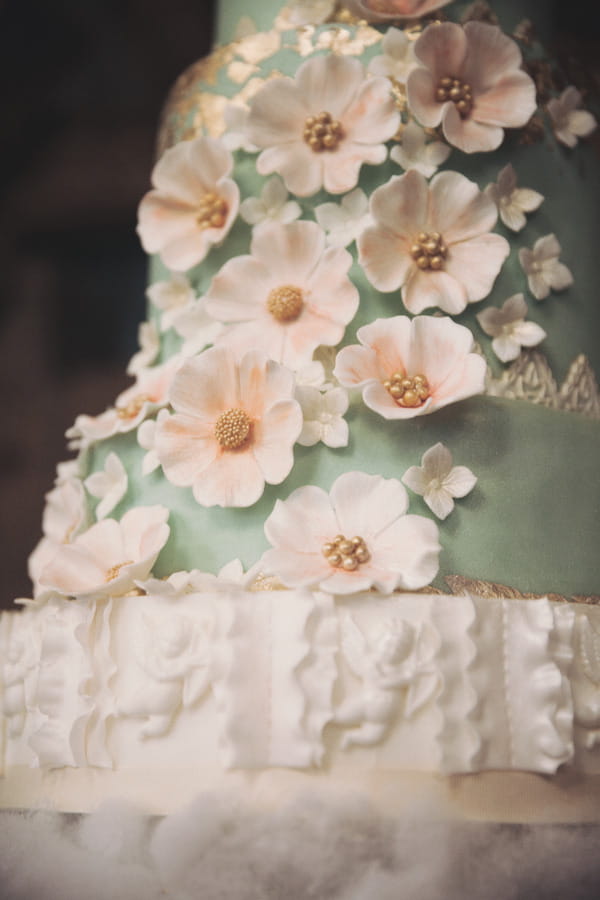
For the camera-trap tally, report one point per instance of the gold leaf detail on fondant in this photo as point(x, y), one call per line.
point(528, 378)
point(256, 48)
point(490, 590)
point(239, 72)
point(580, 392)
point(525, 32)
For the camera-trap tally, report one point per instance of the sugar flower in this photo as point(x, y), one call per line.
point(415, 152)
point(234, 427)
point(193, 203)
point(318, 129)
point(146, 437)
point(109, 485)
point(509, 329)
point(171, 297)
point(132, 406)
point(544, 271)
point(568, 121)
point(289, 296)
point(512, 201)
point(356, 537)
point(64, 511)
point(234, 136)
point(273, 205)
point(397, 60)
point(411, 367)
point(323, 416)
point(196, 327)
point(108, 558)
point(438, 481)
point(149, 342)
point(343, 222)
point(432, 240)
point(471, 82)
point(380, 10)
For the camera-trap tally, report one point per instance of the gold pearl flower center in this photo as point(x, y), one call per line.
point(285, 303)
point(115, 571)
point(429, 250)
point(458, 92)
point(232, 429)
point(133, 408)
point(408, 390)
point(346, 553)
point(323, 132)
point(212, 211)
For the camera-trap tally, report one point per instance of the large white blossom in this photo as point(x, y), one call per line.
point(569, 122)
point(438, 481)
point(109, 485)
point(512, 201)
point(273, 205)
point(323, 413)
point(508, 328)
point(415, 152)
point(543, 268)
point(343, 222)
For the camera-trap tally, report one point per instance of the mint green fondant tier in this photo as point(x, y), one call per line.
point(531, 521)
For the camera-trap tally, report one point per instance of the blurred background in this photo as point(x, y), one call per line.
point(82, 85)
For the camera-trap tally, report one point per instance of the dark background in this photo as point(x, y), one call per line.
point(82, 83)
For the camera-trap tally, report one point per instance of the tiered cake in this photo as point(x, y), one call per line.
point(342, 529)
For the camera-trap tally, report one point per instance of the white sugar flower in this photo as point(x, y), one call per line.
point(196, 327)
point(568, 121)
point(109, 485)
point(309, 12)
point(172, 298)
point(414, 152)
point(512, 201)
point(108, 558)
point(398, 58)
point(356, 537)
point(323, 416)
point(438, 481)
point(318, 129)
point(344, 222)
point(273, 205)
point(311, 375)
point(192, 205)
point(235, 137)
point(509, 329)
point(146, 437)
point(149, 342)
point(543, 269)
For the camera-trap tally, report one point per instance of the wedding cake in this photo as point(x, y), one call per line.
point(341, 531)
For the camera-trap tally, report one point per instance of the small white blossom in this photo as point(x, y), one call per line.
point(273, 205)
point(543, 269)
point(323, 416)
point(568, 121)
point(414, 152)
point(344, 222)
point(309, 12)
point(438, 481)
point(398, 58)
point(197, 328)
point(146, 434)
point(311, 375)
point(109, 485)
point(512, 201)
point(235, 137)
point(172, 298)
point(149, 342)
point(509, 329)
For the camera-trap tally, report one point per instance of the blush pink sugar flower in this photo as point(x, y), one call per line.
point(411, 367)
point(193, 203)
point(470, 82)
point(354, 538)
point(318, 129)
point(432, 240)
point(234, 427)
point(380, 10)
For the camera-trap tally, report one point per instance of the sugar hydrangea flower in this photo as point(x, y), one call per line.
point(512, 201)
point(381, 10)
point(438, 481)
point(432, 240)
point(146, 437)
point(470, 82)
point(543, 268)
point(234, 136)
point(108, 558)
point(318, 129)
point(109, 485)
point(509, 329)
point(569, 122)
point(397, 60)
point(171, 297)
point(234, 427)
point(344, 221)
point(290, 295)
point(411, 367)
point(415, 152)
point(193, 203)
point(354, 538)
point(323, 413)
point(273, 205)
